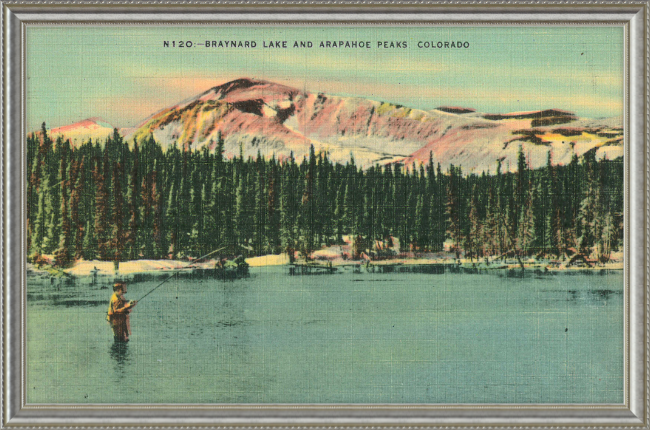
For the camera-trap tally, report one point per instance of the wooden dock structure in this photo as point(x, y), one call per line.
point(311, 269)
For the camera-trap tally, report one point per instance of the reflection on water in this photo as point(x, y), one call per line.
point(119, 352)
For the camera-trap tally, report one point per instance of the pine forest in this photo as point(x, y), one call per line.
point(118, 201)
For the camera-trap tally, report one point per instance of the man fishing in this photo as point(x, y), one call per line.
point(118, 313)
point(119, 308)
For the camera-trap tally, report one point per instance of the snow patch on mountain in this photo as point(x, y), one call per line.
point(261, 117)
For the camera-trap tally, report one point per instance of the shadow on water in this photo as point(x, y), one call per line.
point(65, 300)
point(442, 269)
point(76, 303)
point(589, 297)
point(592, 294)
point(221, 274)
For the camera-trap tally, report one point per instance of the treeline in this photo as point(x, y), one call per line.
point(114, 201)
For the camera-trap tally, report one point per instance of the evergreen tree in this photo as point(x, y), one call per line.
point(82, 204)
point(63, 254)
point(288, 208)
point(184, 200)
point(134, 197)
point(159, 243)
point(195, 226)
point(118, 214)
point(308, 204)
point(588, 206)
point(40, 221)
point(76, 184)
point(90, 250)
point(571, 203)
point(171, 221)
point(552, 220)
point(453, 210)
point(260, 207)
point(439, 209)
point(521, 189)
point(608, 235)
point(241, 213)
point(490, 231)
point(273, 215)
point(472, 240)
point(49, 172)
point(214, 221)
point(339, 212)
point(328, 188)
point(526, 225)
point(350, 217)
point(34, 165)
point(102, 209)
point(412, 215)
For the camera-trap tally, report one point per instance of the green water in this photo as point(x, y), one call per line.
point(358, 338)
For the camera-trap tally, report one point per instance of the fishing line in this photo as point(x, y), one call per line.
point(178, 271)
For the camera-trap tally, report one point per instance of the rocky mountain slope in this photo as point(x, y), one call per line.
point(270, 118)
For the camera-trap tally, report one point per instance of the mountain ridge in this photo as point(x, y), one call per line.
point(276, 119)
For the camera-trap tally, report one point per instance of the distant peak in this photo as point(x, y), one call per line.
point(86, 123)
point(246, 86)
point(238, 84)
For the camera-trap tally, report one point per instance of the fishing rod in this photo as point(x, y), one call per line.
point(177, 271)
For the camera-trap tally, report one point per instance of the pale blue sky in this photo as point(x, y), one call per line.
point(124, 74)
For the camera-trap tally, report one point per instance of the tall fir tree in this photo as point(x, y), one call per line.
point(102, 209)
point(76, 185)
point(134, 197)
point(526, 224)
point(472, 240)
point(39, 235)
point(171, 221)
point(588, 206)
point(64, 252)
point(119, 232)
point(453, 210)
point(159, 243)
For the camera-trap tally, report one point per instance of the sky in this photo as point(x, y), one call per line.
point(123, 74)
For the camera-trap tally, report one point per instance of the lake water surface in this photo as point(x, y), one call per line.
point(350, 337)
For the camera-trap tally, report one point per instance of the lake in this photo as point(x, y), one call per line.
point(348, 337)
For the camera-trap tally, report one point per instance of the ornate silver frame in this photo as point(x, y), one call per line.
point(633, 15)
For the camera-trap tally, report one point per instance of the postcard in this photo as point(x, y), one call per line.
point(343, 213)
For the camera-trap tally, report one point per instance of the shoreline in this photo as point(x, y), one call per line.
point(102, 269)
